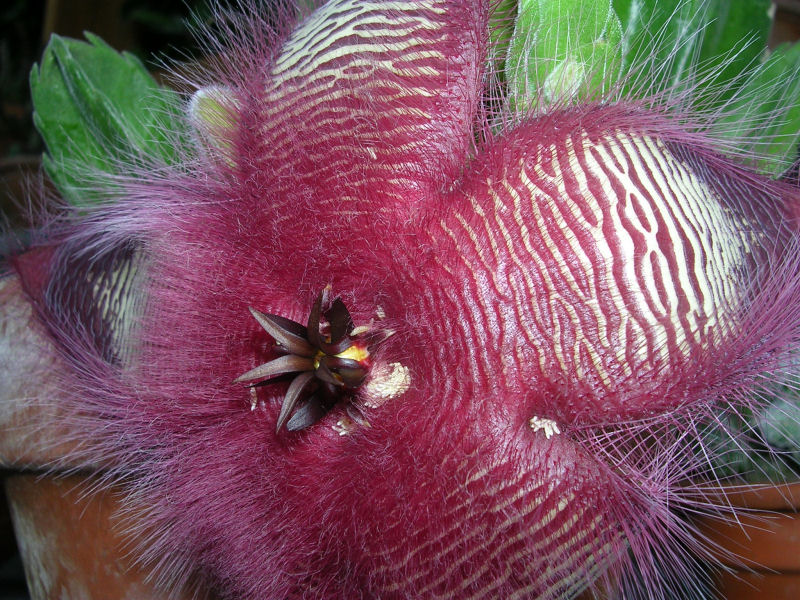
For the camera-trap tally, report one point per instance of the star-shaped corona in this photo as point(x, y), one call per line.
point(329, 360)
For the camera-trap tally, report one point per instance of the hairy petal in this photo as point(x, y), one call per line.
point(373, 101)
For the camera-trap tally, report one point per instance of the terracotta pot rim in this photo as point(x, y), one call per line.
point(783, 496)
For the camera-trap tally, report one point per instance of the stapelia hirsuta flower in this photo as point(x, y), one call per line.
point(571, 298)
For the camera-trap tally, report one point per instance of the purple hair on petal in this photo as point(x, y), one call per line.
point(559, 309)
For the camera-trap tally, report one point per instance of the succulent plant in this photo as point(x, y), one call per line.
point(759, 444)
point(580, 275)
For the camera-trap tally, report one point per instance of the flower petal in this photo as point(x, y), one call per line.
point(324, 373)
point(308, 414)
point(628, 261)
point(312, 329)
point(340, 321)
point(284, 333)
point(370, 100)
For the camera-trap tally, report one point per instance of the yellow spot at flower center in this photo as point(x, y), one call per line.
point(356, 352)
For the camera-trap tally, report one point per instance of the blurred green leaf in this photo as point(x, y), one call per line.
point(766, 113)
point(561, 50)
point(757, 447)
point(668, 39)
point(501, 28)
point(780, 424)
point(97, 109)
point(719, 47)
point(735, 38)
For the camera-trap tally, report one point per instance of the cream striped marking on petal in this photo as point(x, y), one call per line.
point(565, 572)
point(629, 261)
point(490, 538)
point(538, 494)
point(478, 324)
point(452, 509)
point(338, 19)
point(575, 563)
point(371, 92)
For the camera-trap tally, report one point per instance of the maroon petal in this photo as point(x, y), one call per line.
point(312, 329)
point(347, 372)
point(324, 373)
point(308, 414)
point(340, 320)
point(352, 377)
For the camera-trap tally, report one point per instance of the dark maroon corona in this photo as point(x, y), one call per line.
point(330, 361)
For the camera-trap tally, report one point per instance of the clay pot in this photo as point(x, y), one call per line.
point(70, 541)
point(761, 548)
point(74, 543)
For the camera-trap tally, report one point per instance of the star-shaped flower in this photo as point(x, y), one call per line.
point(570, 297)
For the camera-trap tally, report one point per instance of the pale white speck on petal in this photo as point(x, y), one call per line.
point(360, 329)
point(388, 381)
point(344, 426)
point(549, 426)
point(253, 399)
